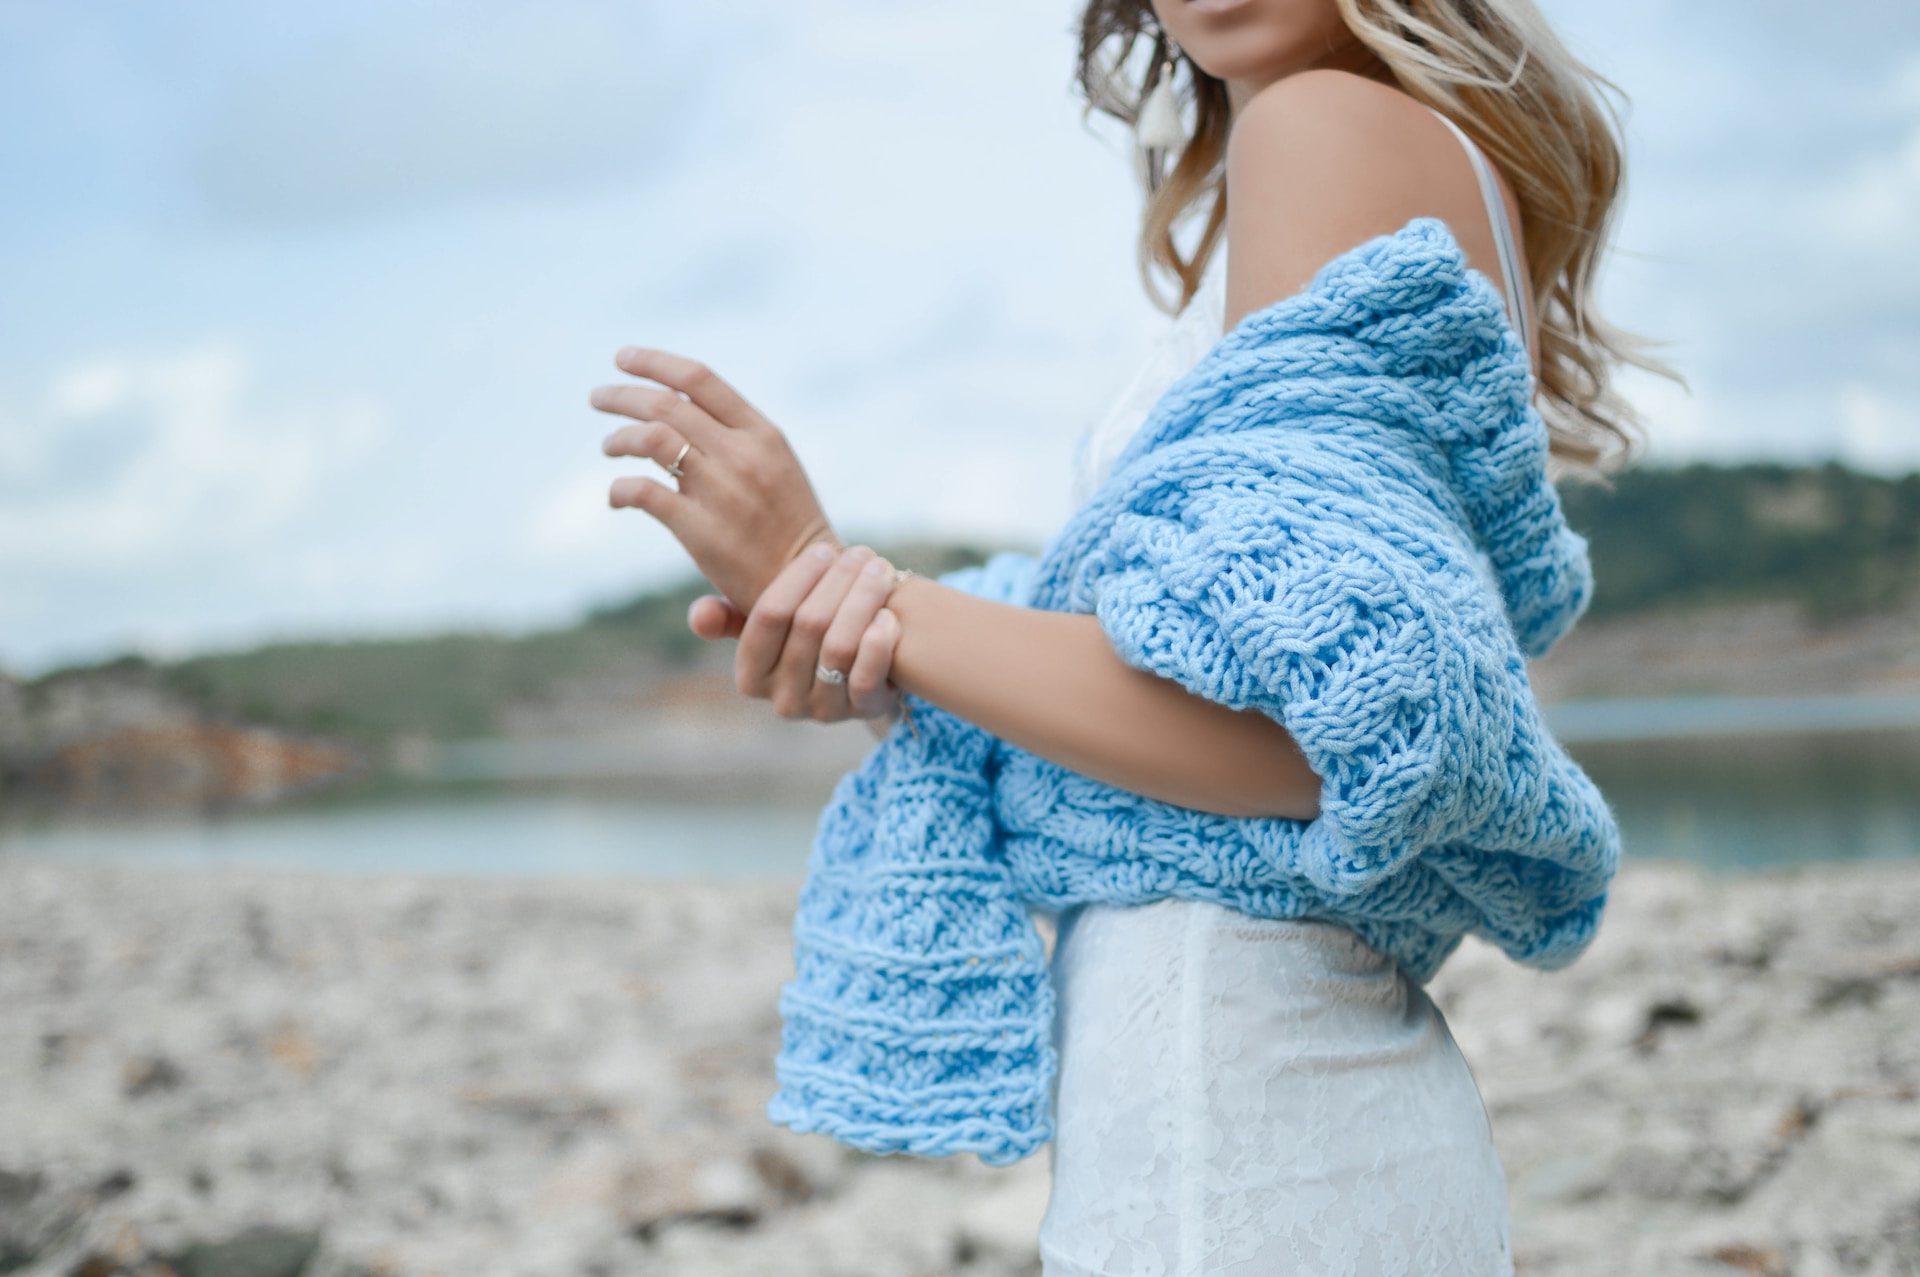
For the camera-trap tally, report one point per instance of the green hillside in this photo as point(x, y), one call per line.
point(1838, 541)
point(451, 685)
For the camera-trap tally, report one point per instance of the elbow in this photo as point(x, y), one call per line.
point(1293, 802)
point(1295, 796)
point(1264, 775)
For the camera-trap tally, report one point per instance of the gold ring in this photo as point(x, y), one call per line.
point(673, 466)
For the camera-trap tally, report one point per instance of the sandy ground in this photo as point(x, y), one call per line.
point(249, 1074)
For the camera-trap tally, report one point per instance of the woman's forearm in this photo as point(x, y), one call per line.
point(1051, 683)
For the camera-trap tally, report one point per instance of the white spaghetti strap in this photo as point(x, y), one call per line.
point(1503, 238)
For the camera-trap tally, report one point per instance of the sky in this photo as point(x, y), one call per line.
point(300, 305)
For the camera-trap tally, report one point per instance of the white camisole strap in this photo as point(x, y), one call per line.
point(1503, 237)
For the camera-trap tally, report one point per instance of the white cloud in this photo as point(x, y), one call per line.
point(571, 519)
point(140, 461)
point(1877, 430)
point(418, 111)
point(88, 388)
point(1877, 202)
point(1676, 423)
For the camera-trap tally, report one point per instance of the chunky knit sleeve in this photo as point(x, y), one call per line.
point(1333, 593)
point(1341, 518)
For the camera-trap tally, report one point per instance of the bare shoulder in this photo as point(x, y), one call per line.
point(1317, 163)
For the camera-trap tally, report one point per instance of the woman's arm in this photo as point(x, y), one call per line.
point(1051, 683)
point(1048, 681)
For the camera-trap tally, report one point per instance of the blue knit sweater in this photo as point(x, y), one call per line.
point(1340, 517)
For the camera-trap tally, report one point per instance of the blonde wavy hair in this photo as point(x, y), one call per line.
point(1496, 68)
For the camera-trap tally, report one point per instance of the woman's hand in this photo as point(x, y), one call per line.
point(743, 508)
point(822, 608)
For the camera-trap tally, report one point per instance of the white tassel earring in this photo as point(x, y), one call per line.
point(1157, 129)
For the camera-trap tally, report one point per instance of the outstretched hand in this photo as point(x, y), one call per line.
point(822, 609)
point(742, 507)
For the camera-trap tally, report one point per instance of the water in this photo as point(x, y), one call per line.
point(561, 833)
point(1730, 787)
point(1670, 717)
point(1764, 802)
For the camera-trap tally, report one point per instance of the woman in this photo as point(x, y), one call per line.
point(1236, 1095)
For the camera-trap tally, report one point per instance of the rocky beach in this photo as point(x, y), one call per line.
point(248, 1073)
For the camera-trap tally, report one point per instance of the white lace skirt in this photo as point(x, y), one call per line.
point(1251, 1097)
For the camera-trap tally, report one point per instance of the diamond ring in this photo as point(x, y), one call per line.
point(825, 675)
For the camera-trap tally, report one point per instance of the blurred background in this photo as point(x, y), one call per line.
point(389, 881)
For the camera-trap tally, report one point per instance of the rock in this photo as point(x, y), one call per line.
point(146, 1074)
point(257, 1252)
point(726, 1184)
point(112, 1184)
point(1003, 1221)
point(33, 1216)
point(1664, 1014)
point(1751, 941)
point(1840, 991)
point(785, 1178)
point(1764, 1260)
point(192, 762)
point(1617, 1018)
point(710, 1190)
point(1575, 1177)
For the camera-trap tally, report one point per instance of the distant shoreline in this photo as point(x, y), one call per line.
point(266, 726)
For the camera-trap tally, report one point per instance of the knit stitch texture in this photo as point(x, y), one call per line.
point(1340, 517)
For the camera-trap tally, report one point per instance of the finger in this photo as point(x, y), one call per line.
point(656, 498)
point(700, 383)
point(711, 617)
point(654, 441)
point(650, 403)
point(868, 691)
point(794, 678)
point(864, 597)
point(764, 632)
